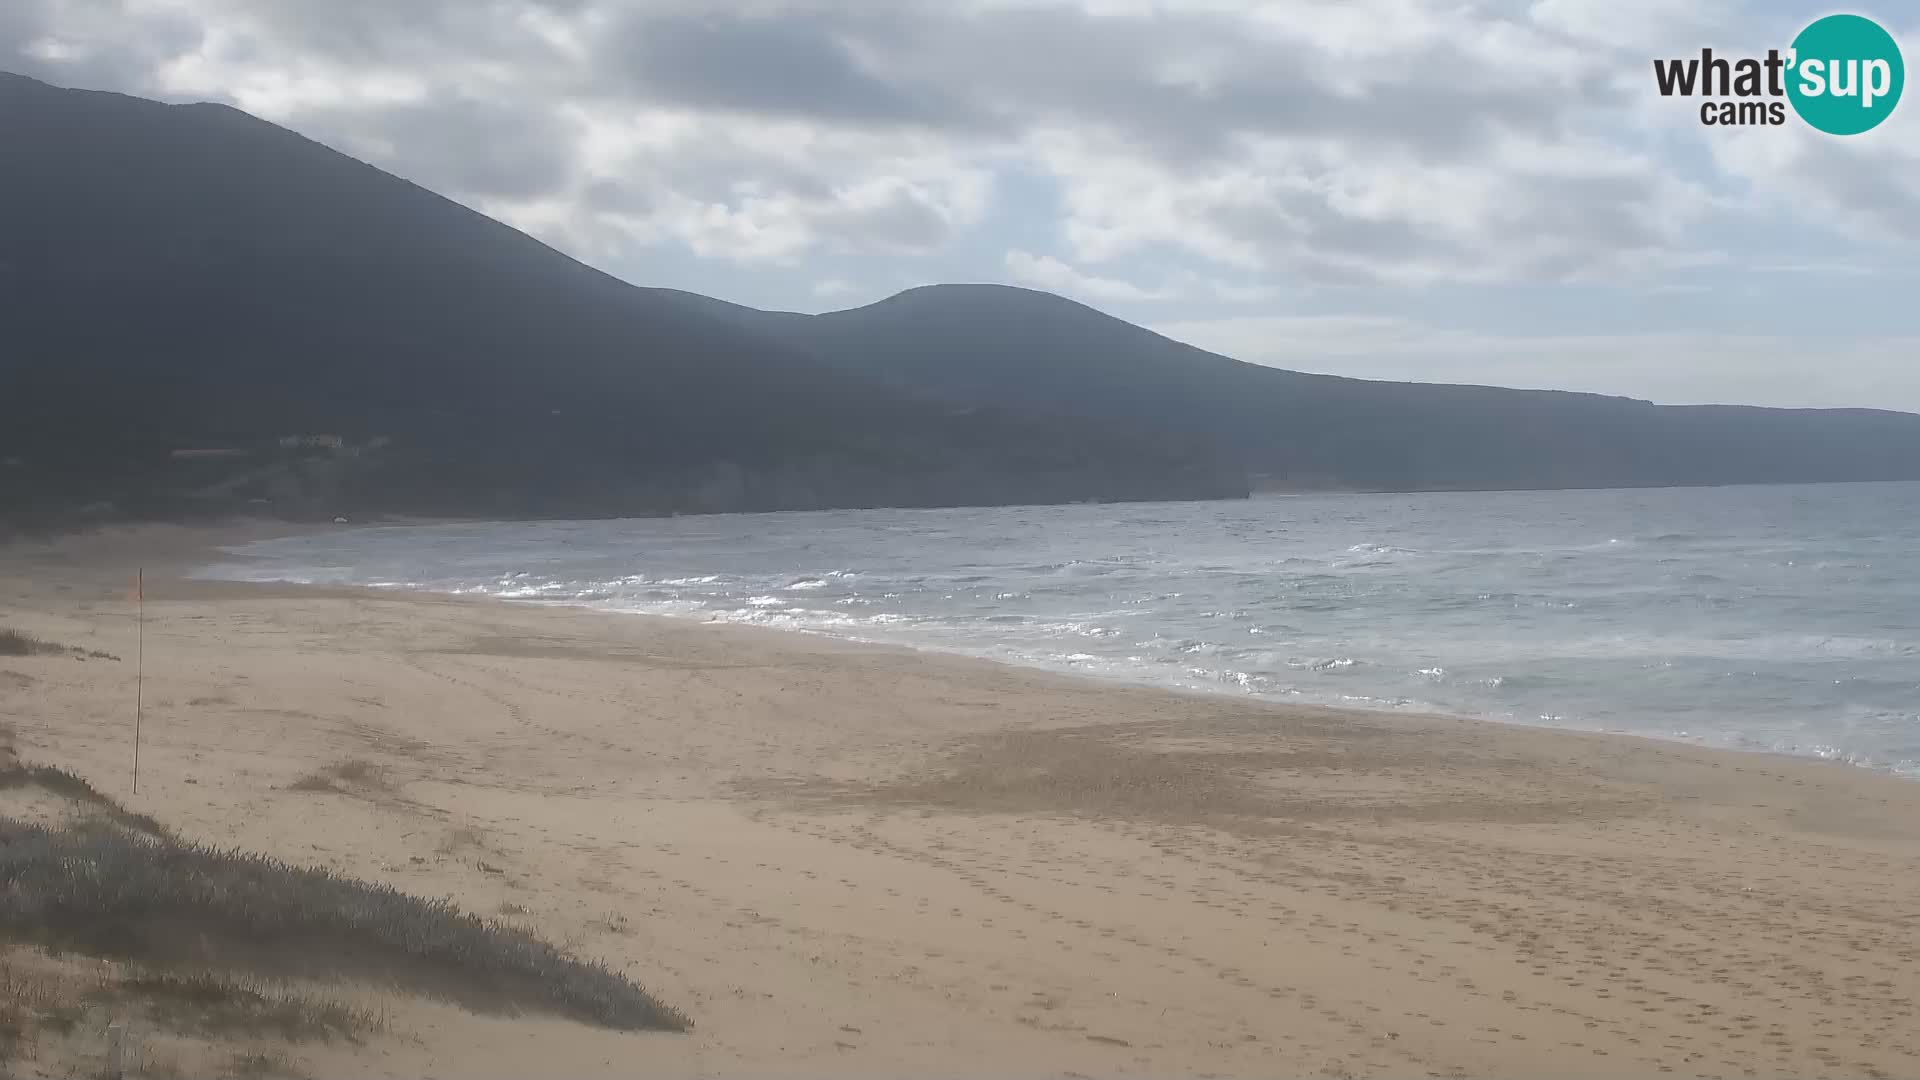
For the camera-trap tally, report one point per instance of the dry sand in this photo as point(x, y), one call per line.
point(860, 861)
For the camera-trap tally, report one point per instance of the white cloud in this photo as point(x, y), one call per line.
point(1865, 187)
point(1392, 140)
point(1047, 272)
point(1637, 25)
point(1050, 273)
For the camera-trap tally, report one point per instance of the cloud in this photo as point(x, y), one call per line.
point(771, 63)
point(1195, 156)
point(1340, 213)
point(1373, 139)
point(1648, 26)
point(1669, 367)
point(469, 148)
point(1050, 273)
point(87, 44)
point(1047, 272)
point(885, 215)
point(1866, 187)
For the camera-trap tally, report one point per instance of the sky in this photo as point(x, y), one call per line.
point(1485, 191)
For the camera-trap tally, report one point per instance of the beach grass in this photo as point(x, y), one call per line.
point(15, 643)
point(15, 774)
point(215, 1006)
point(170, 905)
point(354, 773)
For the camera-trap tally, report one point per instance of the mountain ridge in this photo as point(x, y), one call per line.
point(976, 344)
point(189, 279)
point(185, 278)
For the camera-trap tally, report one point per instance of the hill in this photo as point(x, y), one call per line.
point(980, 344)
point(184, 289)
point(202, 311)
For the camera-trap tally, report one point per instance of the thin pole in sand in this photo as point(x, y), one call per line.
point(139, 665)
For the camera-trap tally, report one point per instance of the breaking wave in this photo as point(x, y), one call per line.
point(1778, 619)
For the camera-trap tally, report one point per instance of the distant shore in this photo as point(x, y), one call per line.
point(853, 860)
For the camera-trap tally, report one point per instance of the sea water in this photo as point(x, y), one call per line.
point(1773, 618)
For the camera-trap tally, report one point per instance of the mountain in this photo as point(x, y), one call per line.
point(201, 311)
point(1039, 353)
point(184, 288)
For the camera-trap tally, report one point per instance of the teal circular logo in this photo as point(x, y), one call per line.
point(1846, 75)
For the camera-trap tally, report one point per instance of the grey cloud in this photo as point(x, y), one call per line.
point(902, 223)
point(722, 173)
point(1878, 195)
point(386, 31)
point(977, 77)
point(1545, 228)
point(464, 147)
point(616, 197)
point(1596, 210)
point(1069, 67)
point(1362, 237)
point(713, 169)
point(122, 61)
point(1001, 71)
point(20, 25)
point(779, 64)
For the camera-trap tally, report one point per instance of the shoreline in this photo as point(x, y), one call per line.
point(1096, 678)
point(1114, 678)
point(848, 859)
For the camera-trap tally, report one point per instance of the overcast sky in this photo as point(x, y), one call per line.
point(1454, 190)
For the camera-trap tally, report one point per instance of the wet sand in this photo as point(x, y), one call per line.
point(845, 860)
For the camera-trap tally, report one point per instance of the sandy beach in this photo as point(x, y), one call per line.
point(844, 860)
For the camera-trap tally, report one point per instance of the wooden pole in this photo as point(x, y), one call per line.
point(139, 665)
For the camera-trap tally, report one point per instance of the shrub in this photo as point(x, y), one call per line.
point(146, 899)
point(15, 643)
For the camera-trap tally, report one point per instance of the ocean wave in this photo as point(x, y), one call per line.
point(1701, 615)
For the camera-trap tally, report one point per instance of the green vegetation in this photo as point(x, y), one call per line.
point(214, 1007)
point(40, 1001)
point(355, 773)
point(168, 904)
point(116, 885)
point(224, 949)
point(255, 1065)
point(15, 643)
point(60, 782)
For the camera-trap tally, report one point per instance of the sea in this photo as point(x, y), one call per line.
point(1781, 619)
